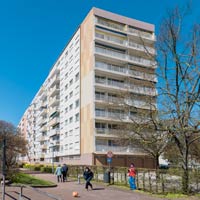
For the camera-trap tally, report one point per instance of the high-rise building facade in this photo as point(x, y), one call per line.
point(75, 115)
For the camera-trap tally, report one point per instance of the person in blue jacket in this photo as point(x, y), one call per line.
point(58, 173)
point(88, 175)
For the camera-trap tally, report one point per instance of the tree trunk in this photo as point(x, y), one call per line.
point(185, 176)
point(157, 167)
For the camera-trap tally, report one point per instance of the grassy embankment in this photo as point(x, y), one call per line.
point(26, 179)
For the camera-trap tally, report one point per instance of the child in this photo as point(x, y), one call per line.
point(88, 175)
point(132, 174)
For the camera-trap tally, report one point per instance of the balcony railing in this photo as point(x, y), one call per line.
point(118, 149)
point(112, 115)
point(55, 90)
point(125, 71)
point(110, 24)
point(54, 80)
point(125, 57)
point(142, 34)
point(134, 88)
point(53, 110)
point(131, 30)
point(43, 138)
point(108, 131)
point(54, 132)
point(54, 101)
point(54, 121)
point(109, 99)
point(43, 112)
point(125, 43)
point(143, 75)
point(106, 66)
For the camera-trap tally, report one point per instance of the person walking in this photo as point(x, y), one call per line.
point(88, 175)
point(58, 173)
point(64, 172)
point(132, 175)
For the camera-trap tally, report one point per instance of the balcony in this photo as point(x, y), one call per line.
point(109, 24)
point(124, 71)
point(54, 132)
point(142, 104)
point(54, 90)
point(53, 110)
point(108, 132)
point(124, 57)
point(125, 43)
point(43, 146)
point(147, 36)
point(126, 86)
point(143, 75)
point(110, 115)
point(118, 149)
point(141, 34)
point(55, 142)
point(43, 111)
point(54, 121)
point(43, 95)
point(54, 101)
point(43, 138)
point(42, 121)
point(109, 99)
point(54, 80)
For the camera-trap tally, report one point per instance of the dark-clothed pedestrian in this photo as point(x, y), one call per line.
point(64, 172)
point(132, 175)
point(88, 175)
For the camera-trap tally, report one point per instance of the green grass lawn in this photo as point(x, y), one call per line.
point(26, 179)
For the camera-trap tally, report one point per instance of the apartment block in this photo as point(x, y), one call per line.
point(76, 114)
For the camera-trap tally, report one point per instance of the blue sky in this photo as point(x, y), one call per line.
point(34, 32)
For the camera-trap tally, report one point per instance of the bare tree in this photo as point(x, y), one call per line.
point(15, 143)
point(176, 121)
point(179, 88)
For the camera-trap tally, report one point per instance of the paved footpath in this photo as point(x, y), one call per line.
point(63, 191)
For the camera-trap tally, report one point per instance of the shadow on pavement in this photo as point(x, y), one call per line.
point(98, 189)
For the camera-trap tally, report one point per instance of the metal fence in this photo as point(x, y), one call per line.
point(155, 181)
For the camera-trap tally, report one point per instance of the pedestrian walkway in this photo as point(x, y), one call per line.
point(64, 190)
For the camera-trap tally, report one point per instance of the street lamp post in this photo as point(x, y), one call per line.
point(52, 158)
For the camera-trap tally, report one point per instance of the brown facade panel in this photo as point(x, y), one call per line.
point(125, 161)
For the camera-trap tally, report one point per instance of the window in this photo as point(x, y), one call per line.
point(70, 132)
point(100, 112)
point(99, 95)
point(77, 90)
point(71, 146)
point(76, 145)
point(77, 117)
point(77, 103)
point(100, 79)
point(66, 86)
point(71, 94)
point(100, 125)
point(77, 77)
point(70, 119)
point(71, 107)
point(71, 82)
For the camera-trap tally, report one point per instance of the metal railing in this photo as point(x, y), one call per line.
point(125, 57)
